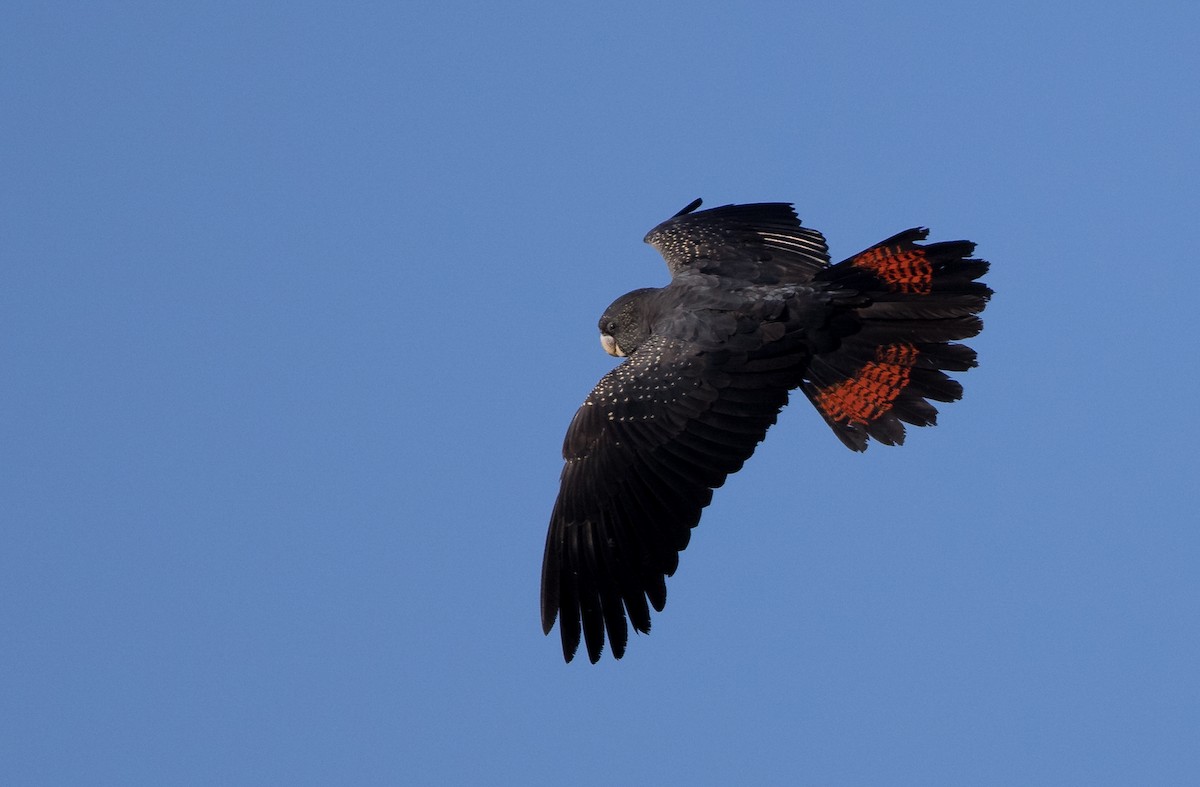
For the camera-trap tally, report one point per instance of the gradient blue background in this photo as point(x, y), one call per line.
point(298, 299)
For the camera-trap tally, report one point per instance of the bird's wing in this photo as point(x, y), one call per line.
point(761, 243)
point(643, 455)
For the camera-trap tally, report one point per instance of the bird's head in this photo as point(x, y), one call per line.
point(626, 323)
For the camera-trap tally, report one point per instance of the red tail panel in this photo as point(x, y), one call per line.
point(869, 394)
point(903, 270)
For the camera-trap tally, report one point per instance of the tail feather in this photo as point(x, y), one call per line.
point(949, 357)
point(897, 337)
point(913, 409)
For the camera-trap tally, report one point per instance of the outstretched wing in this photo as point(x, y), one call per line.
point(761, 243)
point(643, 454)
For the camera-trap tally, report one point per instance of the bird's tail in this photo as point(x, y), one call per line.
point(891, 343)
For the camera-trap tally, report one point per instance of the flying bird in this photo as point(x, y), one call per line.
point(754, 310)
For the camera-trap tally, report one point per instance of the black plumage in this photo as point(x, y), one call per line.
point(753, 311)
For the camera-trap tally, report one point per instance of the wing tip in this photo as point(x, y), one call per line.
point(691, 206)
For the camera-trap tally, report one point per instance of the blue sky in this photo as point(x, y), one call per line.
point(298, 300)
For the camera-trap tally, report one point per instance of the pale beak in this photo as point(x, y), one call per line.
point(610, 345)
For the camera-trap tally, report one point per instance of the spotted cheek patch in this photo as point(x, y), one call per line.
point(869, 394)
point(902, 270)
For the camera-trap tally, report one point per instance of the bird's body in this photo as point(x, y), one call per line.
point(752, 312)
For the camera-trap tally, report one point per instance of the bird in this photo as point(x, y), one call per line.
point(754, 311)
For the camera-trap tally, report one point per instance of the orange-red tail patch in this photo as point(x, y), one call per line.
point(869, 394)
point(903, 270)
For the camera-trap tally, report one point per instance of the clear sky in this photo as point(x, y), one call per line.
point(298, 299)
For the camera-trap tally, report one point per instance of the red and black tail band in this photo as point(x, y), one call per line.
point(896, 336)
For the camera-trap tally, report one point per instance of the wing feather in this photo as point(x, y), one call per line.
point(762, 243)
point(643, 455)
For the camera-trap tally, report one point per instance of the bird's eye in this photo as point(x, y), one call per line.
point(610, 327)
